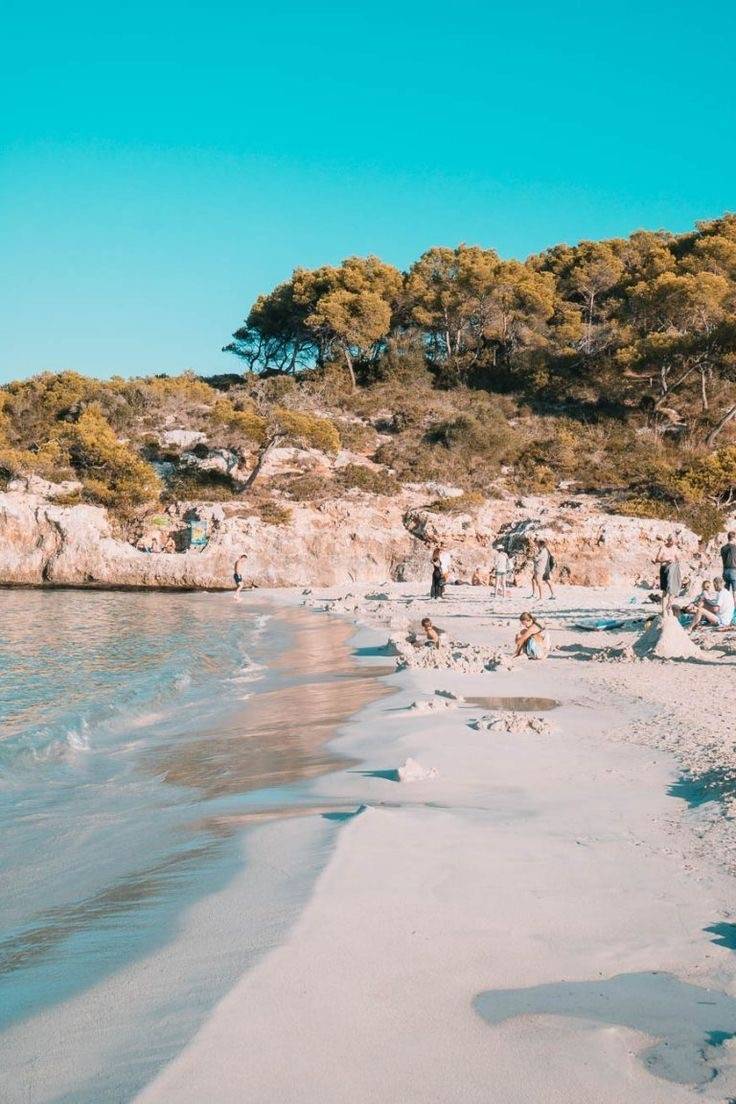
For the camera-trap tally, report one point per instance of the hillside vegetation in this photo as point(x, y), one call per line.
point(607, 366)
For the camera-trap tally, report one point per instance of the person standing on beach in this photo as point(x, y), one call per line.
point(670, 575)
point(543, 565)
point(437, 588)
point(441, 561)
point(728, 556)
point(238, 575)
point(501, 569)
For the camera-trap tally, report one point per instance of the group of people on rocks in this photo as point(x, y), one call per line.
point(716, 601)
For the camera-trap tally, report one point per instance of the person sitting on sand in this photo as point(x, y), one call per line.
point(431, 632)
point(670, 575)
point(717, 608)
point(532, 639)
point(706, 598)
point(478, 579)
point(501, 568)
point(542, 570)
point(169, 545)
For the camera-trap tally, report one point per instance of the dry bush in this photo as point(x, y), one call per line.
point(363, 478)
point(273, 513)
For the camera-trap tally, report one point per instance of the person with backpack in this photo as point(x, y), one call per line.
point(543, 566)
point(728, 556)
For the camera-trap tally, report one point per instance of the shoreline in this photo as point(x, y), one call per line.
point(533, 858)
point(82, 1043)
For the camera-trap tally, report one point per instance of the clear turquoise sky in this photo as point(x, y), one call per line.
point(163, 163)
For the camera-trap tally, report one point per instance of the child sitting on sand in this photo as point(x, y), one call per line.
point(431, 632)
point(531, 640)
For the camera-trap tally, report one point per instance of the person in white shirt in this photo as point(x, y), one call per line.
point(445, 559)
point(717, 610)
point(725, 603)
point(501, 568)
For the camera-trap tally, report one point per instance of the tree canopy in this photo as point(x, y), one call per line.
point(644, 324)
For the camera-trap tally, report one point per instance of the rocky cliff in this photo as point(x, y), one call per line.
point(358, 538)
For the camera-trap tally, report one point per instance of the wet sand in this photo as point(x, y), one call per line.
point(281, 735)
point(534, 861)
point(94, 1044)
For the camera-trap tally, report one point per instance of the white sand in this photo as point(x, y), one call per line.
point(537, 854)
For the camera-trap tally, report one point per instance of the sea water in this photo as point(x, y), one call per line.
point(134, 728)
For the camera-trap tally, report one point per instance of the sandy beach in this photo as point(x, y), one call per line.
point(444, 951)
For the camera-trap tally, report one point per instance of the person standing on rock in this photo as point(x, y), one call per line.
point(543, 565)
point(670, 574)
point(728, 556)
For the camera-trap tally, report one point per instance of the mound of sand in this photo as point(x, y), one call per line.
point(468, 659)
point(432, 705)
point(411, 771)
point(512, 722)
point(665, 638)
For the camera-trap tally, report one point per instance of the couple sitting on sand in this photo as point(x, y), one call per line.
point(714, 605)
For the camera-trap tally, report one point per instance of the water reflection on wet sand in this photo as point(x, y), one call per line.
point(277, 737)
point(280, 735)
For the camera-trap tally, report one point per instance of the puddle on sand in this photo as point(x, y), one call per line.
point(690, 1023)
point(514, 705)
point(714, 785)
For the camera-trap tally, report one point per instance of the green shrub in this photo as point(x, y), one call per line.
point(192, 484)
point(363, 478)
point(112, 473)
point(308, 430)
point(244, 423)
point(357, 437)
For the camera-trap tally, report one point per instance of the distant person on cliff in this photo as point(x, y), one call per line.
point(239, 575)
point(728, 556)
point(501, 570)
point(670, 573)
point(531, 640)
point(542, 568)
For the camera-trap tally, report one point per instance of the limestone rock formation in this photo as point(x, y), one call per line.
point(358, 538)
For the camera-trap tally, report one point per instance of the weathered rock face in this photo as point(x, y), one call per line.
point(339, 542)
point(359, 538)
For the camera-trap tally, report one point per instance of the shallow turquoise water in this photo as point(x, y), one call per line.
point(128, 730)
